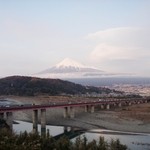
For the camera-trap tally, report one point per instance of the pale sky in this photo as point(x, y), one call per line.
point(112, 35)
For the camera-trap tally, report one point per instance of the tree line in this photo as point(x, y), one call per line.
point(29, 141)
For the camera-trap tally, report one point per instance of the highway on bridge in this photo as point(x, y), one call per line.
point(64, 104)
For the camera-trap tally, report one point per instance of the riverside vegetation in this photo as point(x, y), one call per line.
point(29, 141)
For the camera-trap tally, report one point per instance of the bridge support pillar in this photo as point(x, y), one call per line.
point(129, 103)
point(65, 129)
point(107, 106)
point(66, 112)
point(1, 115)
point(92, 109)
point(102, 106)
point(114, 105)
point(120, 104)
point(86, 108)
point(35, 121)
point(9, 119)
point(43, 122)
point(72, 113)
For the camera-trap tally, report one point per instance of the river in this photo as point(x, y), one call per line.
point(138, 141)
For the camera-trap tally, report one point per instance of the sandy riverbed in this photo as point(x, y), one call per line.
point(135, 118)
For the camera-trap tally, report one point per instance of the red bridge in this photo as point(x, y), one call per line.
point(71, 104)
point(68, 109)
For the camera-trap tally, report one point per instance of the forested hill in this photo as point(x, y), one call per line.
point(30, 86)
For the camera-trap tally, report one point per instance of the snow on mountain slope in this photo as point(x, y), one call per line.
point(67, 62)
point(69, 68)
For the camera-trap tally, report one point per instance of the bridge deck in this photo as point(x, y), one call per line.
point(62, 105)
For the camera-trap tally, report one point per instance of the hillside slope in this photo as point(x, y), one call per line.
point(21, 85)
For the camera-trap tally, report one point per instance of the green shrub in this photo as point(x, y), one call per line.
point(29, 141)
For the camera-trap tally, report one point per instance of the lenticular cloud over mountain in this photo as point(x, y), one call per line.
point(69, 68)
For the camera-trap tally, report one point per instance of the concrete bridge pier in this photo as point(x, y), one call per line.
point(72, 112)
point(43, 122)
point(65, 129)
point(66, 112)
point(129, 103)
point(102, 106)
point(114, 104)
point(86, 108)
point(107, 106)
point(92, 109)
point(35, 121)
point(1, 115)
point(9, 119)
point(120, 104)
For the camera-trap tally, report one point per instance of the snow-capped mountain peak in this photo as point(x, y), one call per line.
point(69, 68)
point(67, 62)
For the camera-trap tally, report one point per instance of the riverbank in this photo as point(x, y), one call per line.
point(118, 120)
point(135, 118)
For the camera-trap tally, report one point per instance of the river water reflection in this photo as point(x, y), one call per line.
point(133, 141)
point(26, 126)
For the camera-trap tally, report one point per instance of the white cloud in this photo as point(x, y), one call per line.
point(121, 45)
point(105, 52)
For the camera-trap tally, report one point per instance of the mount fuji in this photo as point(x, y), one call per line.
point(69, 68)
